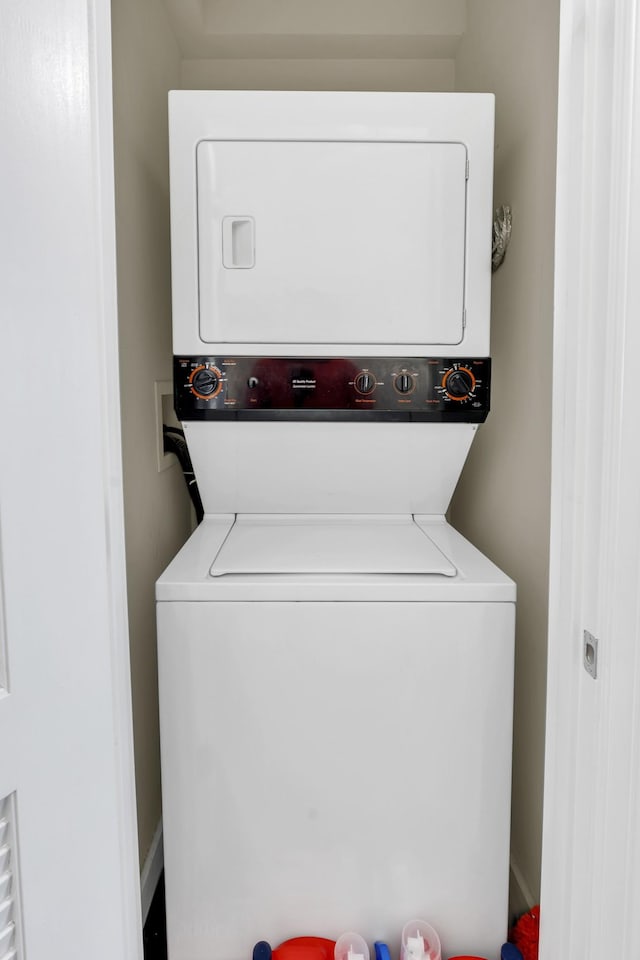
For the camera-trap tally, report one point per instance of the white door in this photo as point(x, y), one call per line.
point(68, 857)
point(591, 842)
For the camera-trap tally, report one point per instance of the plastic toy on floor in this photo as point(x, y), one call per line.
point(508, 952)
point(419, 941)
point(467, 956)
point(381, 950)
point(525, 933)
point(350, 946)
point(298, 948)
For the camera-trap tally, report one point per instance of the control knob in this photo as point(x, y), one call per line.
point(365, 382)
point(205, 382)
point(459, 383)
point(404, 383)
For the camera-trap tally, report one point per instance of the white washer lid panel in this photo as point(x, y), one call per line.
point(329, 544)
point(477, 579)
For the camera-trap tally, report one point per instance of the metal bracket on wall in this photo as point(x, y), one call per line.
point(590, 654)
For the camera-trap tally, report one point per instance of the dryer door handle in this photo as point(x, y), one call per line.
point(238, 243)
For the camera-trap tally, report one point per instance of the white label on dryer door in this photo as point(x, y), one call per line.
point(331, 242)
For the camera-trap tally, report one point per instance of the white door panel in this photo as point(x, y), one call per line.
point(591, 839)
point(67, 811)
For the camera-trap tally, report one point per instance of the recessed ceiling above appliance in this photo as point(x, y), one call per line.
point(334, 29)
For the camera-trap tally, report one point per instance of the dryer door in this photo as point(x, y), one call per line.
point(331, 242)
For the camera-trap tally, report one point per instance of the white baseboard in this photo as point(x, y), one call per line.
point(521, 897)
point(151, 871)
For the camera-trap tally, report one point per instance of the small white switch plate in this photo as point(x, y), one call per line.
point(163, 391)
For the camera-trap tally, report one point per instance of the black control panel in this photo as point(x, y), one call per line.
point(332, 388)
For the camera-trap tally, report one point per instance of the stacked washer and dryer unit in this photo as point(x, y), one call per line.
point(335, 660)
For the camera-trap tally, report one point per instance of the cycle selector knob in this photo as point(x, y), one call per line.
point(405, 383)
point(365, 382)
point(459, 383)
point(206, 382)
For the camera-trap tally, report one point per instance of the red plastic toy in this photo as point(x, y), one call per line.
point(525, 933)
point(298, 948)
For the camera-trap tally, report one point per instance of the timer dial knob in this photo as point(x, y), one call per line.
point(405, 383)
point(459, 383)
point(206, 382)
point(365, 382)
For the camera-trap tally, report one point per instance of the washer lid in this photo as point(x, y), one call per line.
point(299, 544)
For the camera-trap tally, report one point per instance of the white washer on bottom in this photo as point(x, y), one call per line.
point(336, 720)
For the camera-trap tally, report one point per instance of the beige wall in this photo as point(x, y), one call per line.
point(502, 500)
point(146, 64)
point(317, 75)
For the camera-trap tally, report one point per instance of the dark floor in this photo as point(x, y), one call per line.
point(154, 935)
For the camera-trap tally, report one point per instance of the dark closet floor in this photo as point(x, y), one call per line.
point(154, 935)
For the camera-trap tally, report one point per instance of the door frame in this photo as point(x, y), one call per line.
point(595, 560)
point(100, 49)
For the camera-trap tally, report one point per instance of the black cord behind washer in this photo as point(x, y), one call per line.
point(174, 442)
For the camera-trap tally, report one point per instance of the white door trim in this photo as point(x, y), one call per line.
point(591, 847)
point(100, 52)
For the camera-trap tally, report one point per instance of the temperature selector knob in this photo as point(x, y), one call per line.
point(459, 383)
point(206, 382)
point(405, 383)
point(365, 382)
